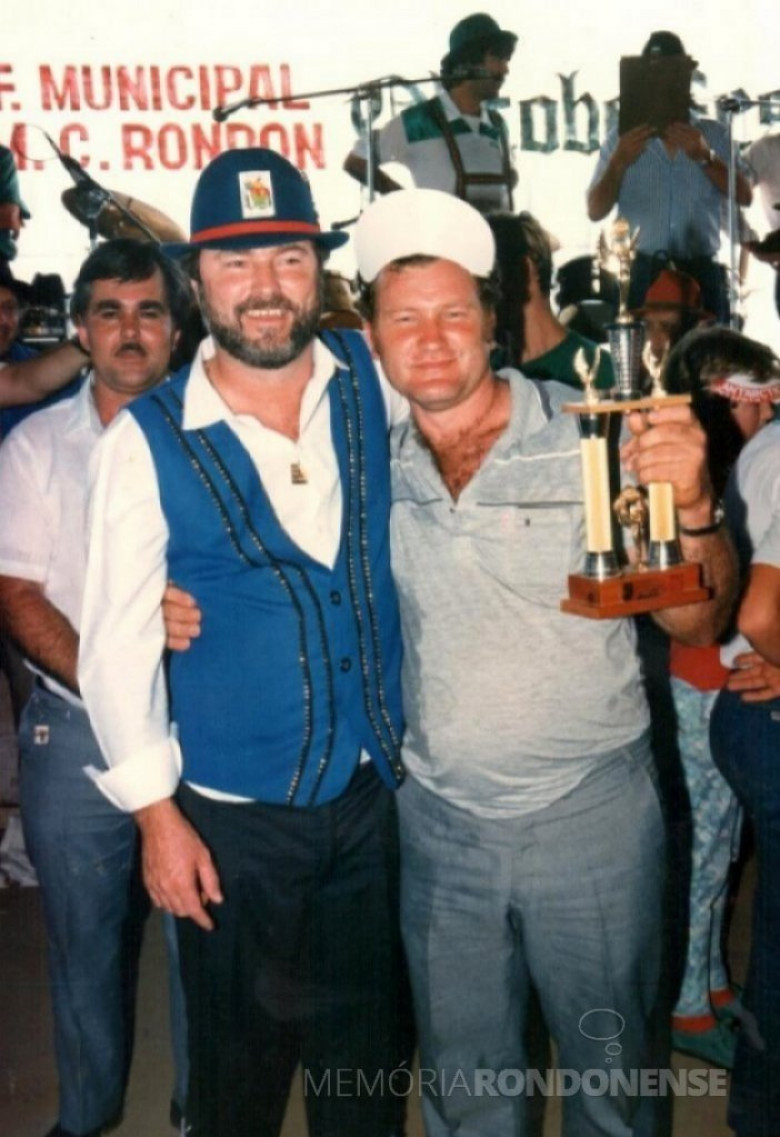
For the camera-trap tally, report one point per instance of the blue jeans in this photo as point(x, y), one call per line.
point(745, 741)
point(568, 898)
point(85, 853)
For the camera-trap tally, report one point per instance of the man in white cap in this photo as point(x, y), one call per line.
point(454, 142)
point(532, 841)
point(259, 481)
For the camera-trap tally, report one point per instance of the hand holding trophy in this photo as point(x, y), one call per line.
point(658, 578)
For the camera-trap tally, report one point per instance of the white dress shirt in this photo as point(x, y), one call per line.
point(43, 490)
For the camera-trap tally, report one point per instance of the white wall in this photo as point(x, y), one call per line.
point(315, 46)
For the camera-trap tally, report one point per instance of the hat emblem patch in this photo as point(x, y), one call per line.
point(257, 194)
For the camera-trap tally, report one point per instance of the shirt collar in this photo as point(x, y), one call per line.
point(452, 112)
point(204, 406)
point(82, 413)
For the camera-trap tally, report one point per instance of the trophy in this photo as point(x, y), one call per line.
point(626, 335)
point(659, 577)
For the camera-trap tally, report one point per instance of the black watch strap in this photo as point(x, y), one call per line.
point(718, 518)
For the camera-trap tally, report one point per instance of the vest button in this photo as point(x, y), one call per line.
point(346, 664)
point(335, 597)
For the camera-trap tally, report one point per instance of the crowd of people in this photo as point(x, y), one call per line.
point(298, 674)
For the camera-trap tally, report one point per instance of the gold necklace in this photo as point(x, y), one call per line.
point(298, 476)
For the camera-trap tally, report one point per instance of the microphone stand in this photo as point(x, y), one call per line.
point(363, 92)
point(729, 106)
point(92, 197)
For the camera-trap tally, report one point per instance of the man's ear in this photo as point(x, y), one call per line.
point(531, 274)
point(370, 338)
point(81, 332)
point(489, 327)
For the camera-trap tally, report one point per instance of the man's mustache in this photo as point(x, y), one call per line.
point(131, 347)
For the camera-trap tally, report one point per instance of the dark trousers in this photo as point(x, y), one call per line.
point(305, 965)
point(745, 741)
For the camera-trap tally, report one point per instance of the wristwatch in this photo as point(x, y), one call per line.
point(709, 160)
point(718, 518)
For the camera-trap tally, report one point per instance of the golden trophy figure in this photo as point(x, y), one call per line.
point(626, 335)
point(658, 578)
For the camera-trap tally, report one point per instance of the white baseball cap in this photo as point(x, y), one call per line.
point(422, 222)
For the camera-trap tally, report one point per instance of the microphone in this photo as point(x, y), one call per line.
point(225, 110)
point(468, 71)
point(74, 168)
point(733, 103)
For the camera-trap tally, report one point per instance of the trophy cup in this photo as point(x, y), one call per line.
point(659, 578)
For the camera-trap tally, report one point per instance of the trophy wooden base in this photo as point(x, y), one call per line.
point(635, 591)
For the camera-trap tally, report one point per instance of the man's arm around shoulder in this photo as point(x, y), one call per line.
point(30, 380)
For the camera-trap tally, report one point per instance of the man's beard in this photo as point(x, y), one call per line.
point(265, 351)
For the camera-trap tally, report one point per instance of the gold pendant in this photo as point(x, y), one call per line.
point(297, 474)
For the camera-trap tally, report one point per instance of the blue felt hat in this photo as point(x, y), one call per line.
point(252, 198)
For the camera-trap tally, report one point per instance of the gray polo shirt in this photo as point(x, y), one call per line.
point(509, 703)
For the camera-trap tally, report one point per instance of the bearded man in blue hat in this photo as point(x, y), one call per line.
point(260, 767)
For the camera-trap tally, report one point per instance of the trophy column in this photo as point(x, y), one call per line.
point(600, 559)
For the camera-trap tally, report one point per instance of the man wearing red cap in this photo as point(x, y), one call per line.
point(258, 480)
point(454, 142)
point(672, 307)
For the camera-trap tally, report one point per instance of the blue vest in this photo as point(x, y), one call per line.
point(297, 668)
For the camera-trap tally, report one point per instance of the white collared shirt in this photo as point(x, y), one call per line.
point(43, 490)
point(120, 661)
point(428, 158)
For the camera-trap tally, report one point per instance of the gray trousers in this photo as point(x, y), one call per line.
point(568, 898)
